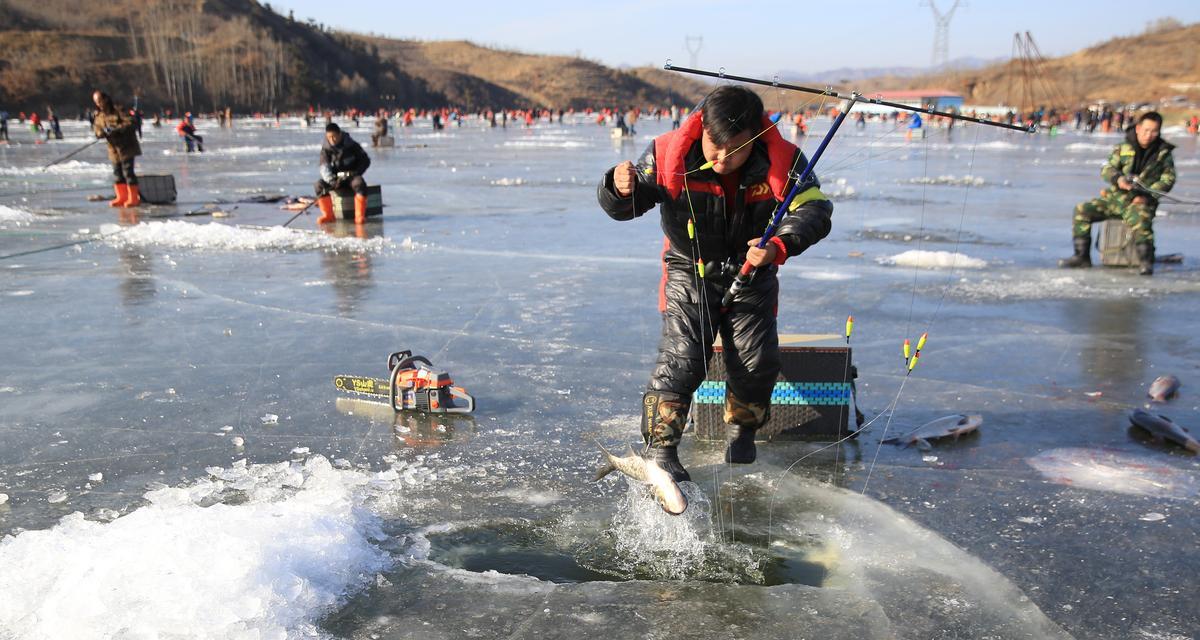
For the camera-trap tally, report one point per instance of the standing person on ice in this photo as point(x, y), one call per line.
point(1140, 163)
point(118, 130)
point(343, 162)
point(738, 173)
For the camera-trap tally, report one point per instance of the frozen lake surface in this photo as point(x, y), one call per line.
point(135, 362)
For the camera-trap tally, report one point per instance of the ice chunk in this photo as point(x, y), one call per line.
point(270, 418)
point(71, 167)
point(1101, 470)
point(222, 237)
point(9, 215)
point(96, 477)
point(933, 260)
point(267, 564)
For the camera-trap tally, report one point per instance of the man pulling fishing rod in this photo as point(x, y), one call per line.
point(718, 181)
point(733, 209)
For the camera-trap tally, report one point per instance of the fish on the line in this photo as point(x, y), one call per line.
point(954, 425)
point(1163, 388)
point(1163, 428)
point(646, 471)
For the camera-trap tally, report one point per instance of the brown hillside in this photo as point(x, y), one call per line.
point(546, 81)
point(1132, 69)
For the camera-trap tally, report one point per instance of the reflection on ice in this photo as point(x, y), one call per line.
point(1096, 284)
point(1101, 470)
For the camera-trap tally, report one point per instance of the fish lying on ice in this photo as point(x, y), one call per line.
point(669, 497)
point(1162, 428)
point(955, 425)
point(1163, 388)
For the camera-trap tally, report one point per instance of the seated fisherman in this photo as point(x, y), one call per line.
point(343, 162)
point(1137, 169)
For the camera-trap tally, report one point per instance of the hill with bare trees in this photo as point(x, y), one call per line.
point(210, 54)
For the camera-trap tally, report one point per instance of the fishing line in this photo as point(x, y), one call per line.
point(958, 237)
point(783, 474)
point(708, 335)
point(911, 305)
point(941, 300)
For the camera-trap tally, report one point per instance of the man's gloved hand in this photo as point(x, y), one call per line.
point(1124, 183)
point(326, 174)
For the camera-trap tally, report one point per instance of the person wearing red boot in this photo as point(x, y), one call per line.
point(343, 163)
point(118, 130)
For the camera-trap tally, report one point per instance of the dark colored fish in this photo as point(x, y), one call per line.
point(1162, 428)
point(1163, 388)
point(955, 425)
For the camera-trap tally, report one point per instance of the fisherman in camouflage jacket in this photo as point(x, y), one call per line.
point(1136, 171)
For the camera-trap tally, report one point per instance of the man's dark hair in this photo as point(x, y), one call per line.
point(332, 128)
point(730, 110)
point(106, 101)
point(1150, 115)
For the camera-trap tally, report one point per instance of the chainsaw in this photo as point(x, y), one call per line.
point(413, 384)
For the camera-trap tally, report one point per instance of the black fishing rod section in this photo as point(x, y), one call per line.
point(828, 91)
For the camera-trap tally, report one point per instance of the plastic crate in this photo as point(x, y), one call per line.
point(343, 202)
point(812, 400)
point(157, 189)
point(1115, 242)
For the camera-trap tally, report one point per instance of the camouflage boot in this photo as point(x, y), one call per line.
point(1145, 254)
point(1082, 257)
point(744, 419)
point(663, 416)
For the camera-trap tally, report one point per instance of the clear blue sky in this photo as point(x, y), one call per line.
point(750, 37)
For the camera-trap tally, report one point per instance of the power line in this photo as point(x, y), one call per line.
point(941, 32)
point(693, 45)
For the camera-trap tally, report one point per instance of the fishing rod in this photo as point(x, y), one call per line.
point(747, 271)
point(300, 212)
point(91, 238)
point(828, 91)
point(1161, 195)
point(72, 154)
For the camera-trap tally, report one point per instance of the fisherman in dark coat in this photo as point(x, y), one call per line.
point(343, 163)
point(117, 129)
point(718, 180)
